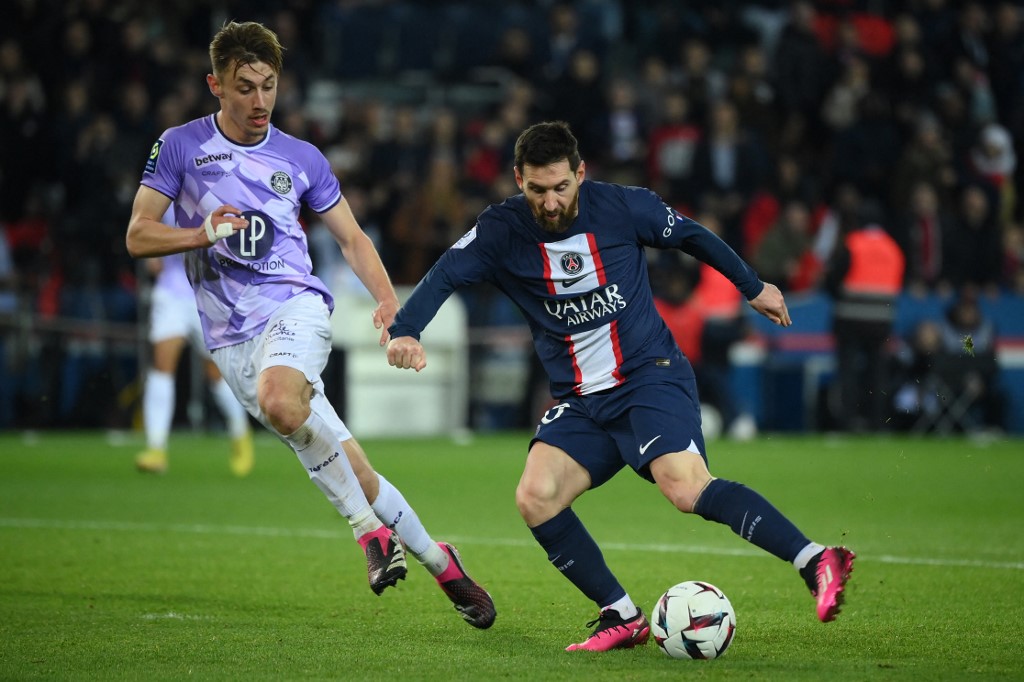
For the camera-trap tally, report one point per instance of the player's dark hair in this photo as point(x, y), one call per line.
point(240, 44)
point(546, 143)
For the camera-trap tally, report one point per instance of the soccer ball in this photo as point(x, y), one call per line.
point(693, 619)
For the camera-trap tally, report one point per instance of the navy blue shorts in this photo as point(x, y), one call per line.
point(650, 415)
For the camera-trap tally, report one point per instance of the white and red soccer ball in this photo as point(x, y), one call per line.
point(693, 619)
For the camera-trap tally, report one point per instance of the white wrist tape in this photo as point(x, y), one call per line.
point(217, 233)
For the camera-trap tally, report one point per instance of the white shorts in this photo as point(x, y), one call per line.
point(173, 316)
point(297, 336)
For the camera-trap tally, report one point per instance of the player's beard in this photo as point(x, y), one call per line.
point(564, 219)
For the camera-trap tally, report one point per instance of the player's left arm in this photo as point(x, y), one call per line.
point(362, 257)
point(662, 226)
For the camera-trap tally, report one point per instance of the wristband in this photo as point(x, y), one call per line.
point(215, 234)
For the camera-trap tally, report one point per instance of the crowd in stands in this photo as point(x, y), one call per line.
point(780, 122)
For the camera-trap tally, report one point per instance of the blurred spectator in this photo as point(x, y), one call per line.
point(843, 100)
point(515, 53)
point(801, 70)
point(624, 129)
point(865, 152)
point(784, 256)
point(698, 79)
point(947, 377)
point(789, 182)
point(971, 254)
point(430, 220)
point(926, 158)
point(865, 276)
point(1006, 48)
point(671, 147)
point(728, 167)
point(993, 160)
point(916, 395)
point(25, 151)
point(753, 90)
point(565, 36)
point(922, 230)
point(577, 97)
point(1013, 258)
point(722, 308)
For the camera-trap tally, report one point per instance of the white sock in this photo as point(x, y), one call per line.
point(394, 512)
point(320, 451)
point(625, 606)
point(806, 554)
point(234, 414)
point(157, 408)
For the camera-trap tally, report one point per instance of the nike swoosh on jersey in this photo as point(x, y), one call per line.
point(569, 282)
point(643, 448)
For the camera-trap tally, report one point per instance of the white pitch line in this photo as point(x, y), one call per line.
point(661, 548)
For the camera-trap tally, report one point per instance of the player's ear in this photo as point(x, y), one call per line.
point(519, 177)
point(581, 171)
point(214, 85)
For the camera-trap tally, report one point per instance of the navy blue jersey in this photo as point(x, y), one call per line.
point(584, 292)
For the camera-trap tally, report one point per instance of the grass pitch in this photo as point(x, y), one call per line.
point(111, 575)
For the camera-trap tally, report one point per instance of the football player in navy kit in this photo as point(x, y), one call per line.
point(570, 254)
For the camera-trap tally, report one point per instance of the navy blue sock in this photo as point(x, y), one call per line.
point(573, 552)
point(751, 517)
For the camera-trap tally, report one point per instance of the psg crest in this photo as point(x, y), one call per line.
point(572, 263)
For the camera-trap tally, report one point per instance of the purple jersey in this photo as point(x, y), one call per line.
point(585, 292)
point(240, 281)
point(172, 276)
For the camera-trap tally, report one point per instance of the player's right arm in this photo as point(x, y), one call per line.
point(148, 237)
point(464, 263)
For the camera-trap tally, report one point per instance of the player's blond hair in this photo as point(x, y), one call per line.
point(239, 44)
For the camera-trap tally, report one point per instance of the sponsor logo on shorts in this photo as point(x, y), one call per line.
point(643, 448)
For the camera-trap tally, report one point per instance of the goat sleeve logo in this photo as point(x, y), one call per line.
point(154, 156)
point(281, 182)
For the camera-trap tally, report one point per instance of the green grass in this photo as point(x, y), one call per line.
point(108, 574)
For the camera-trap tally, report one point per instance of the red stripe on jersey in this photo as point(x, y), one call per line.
point(617, 350)
point(547, 269)
point(596, 255)
point(577, 373)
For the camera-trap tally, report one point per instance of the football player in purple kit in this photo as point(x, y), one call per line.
point(236, 184)
point(570, 254)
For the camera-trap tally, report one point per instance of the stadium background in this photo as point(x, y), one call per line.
point(843, 108)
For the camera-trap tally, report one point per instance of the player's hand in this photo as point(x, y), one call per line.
point(772, 305)
point(406, 352)
point(384, 316)
point(219, 224)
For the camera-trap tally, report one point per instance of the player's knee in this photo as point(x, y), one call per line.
point(537, 500)
point(285, 413)
point(681, 479)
